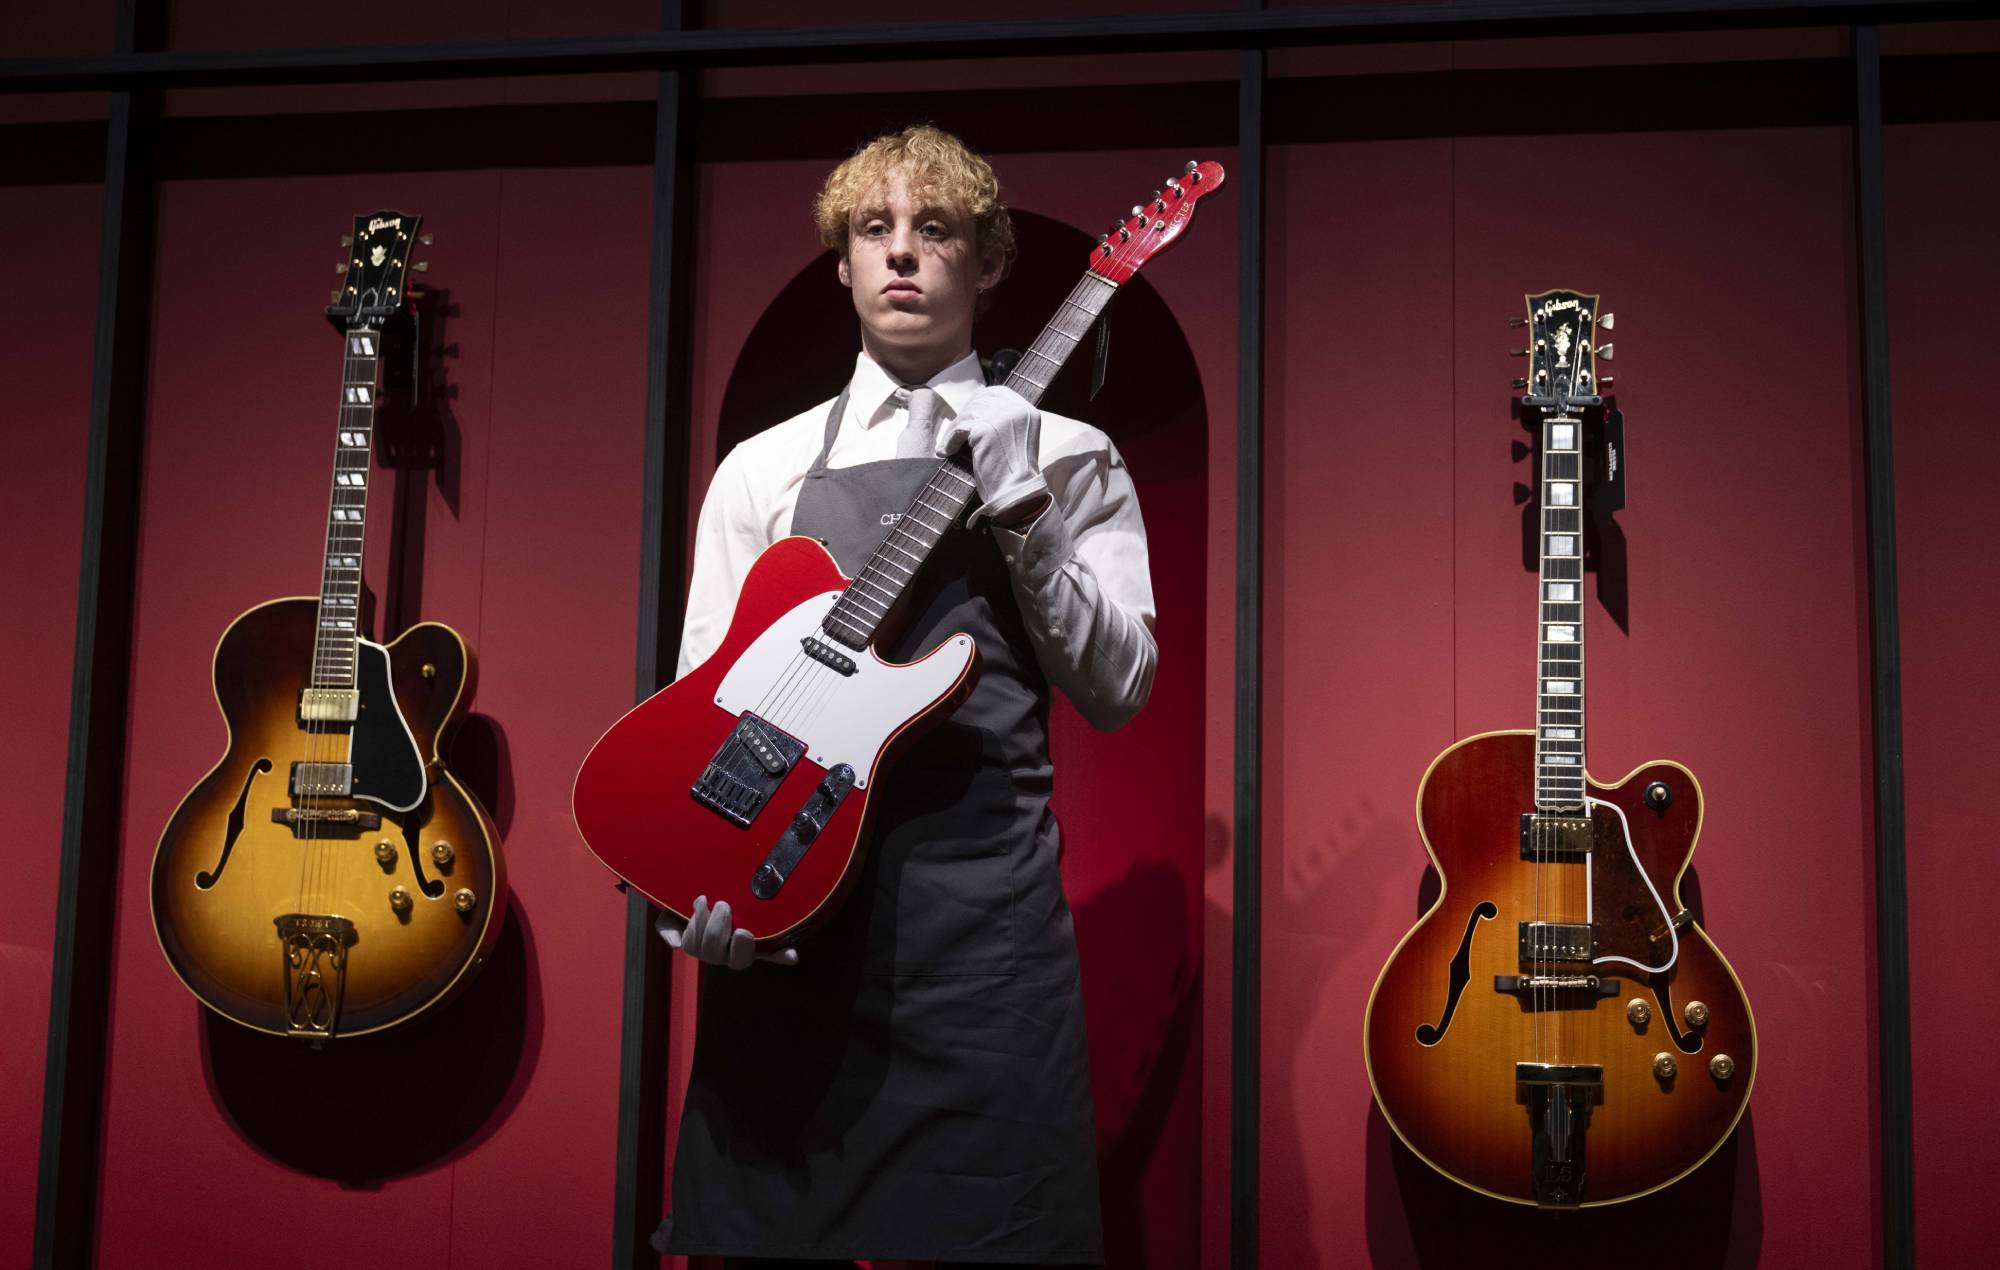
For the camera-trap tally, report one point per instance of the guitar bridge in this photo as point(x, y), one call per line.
point(747, 770)
point(315, 950)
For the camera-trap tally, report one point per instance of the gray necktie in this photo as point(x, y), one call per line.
point(920, 433)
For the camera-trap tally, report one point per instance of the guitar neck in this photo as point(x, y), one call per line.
point(339, 621)
point(859, 612)
point(1559, 780)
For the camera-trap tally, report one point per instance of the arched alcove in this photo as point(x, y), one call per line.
point(1130, 802)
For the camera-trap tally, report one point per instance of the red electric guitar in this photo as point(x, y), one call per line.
point(749, 780)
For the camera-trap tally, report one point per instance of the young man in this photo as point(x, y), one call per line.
point(915, 1086)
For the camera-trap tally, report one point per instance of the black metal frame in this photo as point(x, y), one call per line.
point(79, 986)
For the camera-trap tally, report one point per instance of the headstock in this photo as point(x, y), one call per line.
point(1155, 224)
point(1563, 351)
point(378, 258)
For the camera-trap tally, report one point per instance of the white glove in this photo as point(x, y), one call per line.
point(1005, 434)
point(709, 937)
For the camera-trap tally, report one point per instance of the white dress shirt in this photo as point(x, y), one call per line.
point(1080, 577)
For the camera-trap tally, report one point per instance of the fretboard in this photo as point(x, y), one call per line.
point(347, 513)
point(1559, 780)
point(944, 497)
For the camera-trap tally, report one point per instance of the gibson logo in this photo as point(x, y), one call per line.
point(1554, 306)
point(379, 223)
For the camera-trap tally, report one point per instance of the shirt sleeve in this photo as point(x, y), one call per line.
point(728, 538)
point(1085, 586)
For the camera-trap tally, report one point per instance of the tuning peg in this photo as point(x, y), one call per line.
point(422, 266)
point(333, 296)
point(1605, 382)
point(1517, 352)
point(426, 239)
point(1608, 321)
point(1193, 170)
point(1604, 351)
point(1517, 321)
point(340, 268)
point(347, 240)
point(1519, 382)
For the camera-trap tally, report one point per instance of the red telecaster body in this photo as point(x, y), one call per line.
point(633, 800)
point(750, 780)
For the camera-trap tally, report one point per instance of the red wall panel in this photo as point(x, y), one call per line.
point(415, 1147)
point(47, 363)
point(1398, 543)
point(1943, 267)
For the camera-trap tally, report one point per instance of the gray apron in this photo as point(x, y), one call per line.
point(917, 1087)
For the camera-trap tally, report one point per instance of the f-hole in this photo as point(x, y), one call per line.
point(1663, 992)
point(413, 821)
point(209, 877)
point(1461, 974)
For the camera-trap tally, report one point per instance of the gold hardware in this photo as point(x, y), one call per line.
point(340, 268)
point(463, 900)
point(430, 671)
point(1639, 1012)
point(1722, 1067)
point(399, 899)
point(347, 240)
point(385, 853)
point(1696, 1014)
point(441, 853)
point(1664, 1065)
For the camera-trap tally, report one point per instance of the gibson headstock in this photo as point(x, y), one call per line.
point(378, 258)
point(1563, 351)
point(1155, 224)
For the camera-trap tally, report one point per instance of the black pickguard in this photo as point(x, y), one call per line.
point(388, 769)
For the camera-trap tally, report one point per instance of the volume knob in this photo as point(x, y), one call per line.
point(1696, 1014)
point(399, 899)
point(441, 853)
point(464, 900)
point(385, 853)
point(1664, 1065)
point(1639, 1012)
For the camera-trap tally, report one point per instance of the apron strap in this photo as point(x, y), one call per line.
point(833, 419)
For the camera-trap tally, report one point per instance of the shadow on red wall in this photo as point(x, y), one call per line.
point(365, 1109)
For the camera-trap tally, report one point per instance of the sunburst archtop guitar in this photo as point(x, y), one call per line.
point(329, 877)
point(1557, 1030)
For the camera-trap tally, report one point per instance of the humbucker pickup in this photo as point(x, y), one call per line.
point(329, 705)
point(1556, 941)
point(1554, 837)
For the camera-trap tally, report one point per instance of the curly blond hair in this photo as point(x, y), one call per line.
point(940, 169)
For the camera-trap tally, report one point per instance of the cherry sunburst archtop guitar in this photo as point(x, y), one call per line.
point(329, 877)
point(1557, 1030)
point(749, 779)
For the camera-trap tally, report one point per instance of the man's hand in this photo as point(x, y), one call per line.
point(709, 937)
point(1005, 436)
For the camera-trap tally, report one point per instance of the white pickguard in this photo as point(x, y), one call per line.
point(840, 718)
point(1673, 936)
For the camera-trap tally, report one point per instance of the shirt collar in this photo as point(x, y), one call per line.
point(871, 393)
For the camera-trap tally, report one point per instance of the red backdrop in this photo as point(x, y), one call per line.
point(1396, 619)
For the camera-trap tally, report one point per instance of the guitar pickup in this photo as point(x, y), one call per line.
point(753, 761)
point(1555, 837)
point(322, 780)
point(806, 826)
point(827, 655)
point(1543, 942)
